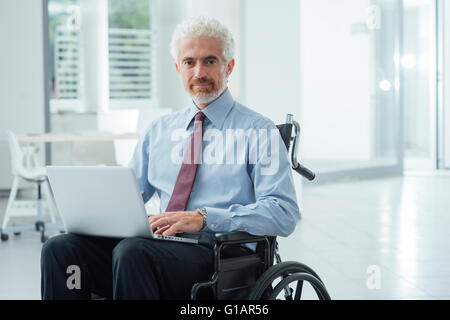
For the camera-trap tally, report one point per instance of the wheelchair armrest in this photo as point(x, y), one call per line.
point(236, 237)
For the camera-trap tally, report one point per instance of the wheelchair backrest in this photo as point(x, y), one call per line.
point(285, 132)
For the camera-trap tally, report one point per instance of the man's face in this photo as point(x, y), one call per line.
point(203, 68)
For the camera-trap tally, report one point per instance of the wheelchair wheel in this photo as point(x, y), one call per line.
point(290, 272)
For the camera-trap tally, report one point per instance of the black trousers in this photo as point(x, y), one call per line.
point(75, 266)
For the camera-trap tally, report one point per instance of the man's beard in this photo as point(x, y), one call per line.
point(208, 97)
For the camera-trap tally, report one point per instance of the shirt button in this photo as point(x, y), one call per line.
point(212, 225)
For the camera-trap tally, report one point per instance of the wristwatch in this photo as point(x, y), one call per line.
point(204, 213)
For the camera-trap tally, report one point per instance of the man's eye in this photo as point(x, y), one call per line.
point(188, 62)
point(212, 61)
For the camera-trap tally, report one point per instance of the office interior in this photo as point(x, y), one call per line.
point(367, 80)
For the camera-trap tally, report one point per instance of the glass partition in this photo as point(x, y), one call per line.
point(350, 81)
point(419, 67)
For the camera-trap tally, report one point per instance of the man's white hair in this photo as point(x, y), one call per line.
point(203, 27)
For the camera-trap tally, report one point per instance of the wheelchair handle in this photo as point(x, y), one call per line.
point(305, 172)
point(302, 170)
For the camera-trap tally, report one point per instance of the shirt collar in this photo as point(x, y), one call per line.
point(216, 111)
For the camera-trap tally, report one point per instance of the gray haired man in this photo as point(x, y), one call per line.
point(195, 197)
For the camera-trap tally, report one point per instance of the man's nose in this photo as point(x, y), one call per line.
point(200, 71)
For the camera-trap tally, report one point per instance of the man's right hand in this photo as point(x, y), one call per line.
point(170, 223)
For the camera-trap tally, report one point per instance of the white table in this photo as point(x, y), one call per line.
point(30, 140)
point(75, 137)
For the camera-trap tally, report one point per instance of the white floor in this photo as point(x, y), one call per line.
point(377, 239)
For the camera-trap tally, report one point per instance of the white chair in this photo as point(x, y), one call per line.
point(25, 167)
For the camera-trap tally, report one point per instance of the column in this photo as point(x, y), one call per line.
point(95, 57)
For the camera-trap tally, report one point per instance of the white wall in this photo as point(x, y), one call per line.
point(270, 47)
point(22, 74)
point(335, 71)
point(270, 50)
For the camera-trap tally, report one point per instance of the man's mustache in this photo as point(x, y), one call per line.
point(202, 81)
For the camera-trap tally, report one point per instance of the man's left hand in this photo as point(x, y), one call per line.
point(170, 223)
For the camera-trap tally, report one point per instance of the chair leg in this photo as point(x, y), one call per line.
point(50, 201)
point(12, 198)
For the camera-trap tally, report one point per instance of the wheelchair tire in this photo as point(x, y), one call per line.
point(290, 271)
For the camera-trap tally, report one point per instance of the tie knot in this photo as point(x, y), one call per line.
point(199, 116)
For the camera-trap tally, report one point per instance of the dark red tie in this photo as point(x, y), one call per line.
point(186, 176)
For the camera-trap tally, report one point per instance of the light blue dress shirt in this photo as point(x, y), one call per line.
point(245, 184)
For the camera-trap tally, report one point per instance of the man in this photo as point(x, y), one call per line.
point(211, 167)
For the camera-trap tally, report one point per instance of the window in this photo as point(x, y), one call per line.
point(65, 66)
point(129, 51)
point(130, 81)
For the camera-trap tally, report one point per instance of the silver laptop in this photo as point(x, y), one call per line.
point(102, 201)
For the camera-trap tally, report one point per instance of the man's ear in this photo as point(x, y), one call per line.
point(230, 67)
point(177, 68)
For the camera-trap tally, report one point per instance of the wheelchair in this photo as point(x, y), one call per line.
point(255, 276)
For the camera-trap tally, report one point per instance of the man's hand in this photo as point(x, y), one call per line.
point(170, 223)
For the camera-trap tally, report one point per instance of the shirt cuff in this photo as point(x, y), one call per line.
point(218, 220)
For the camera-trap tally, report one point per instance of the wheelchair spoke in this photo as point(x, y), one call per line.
point(298, 290)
